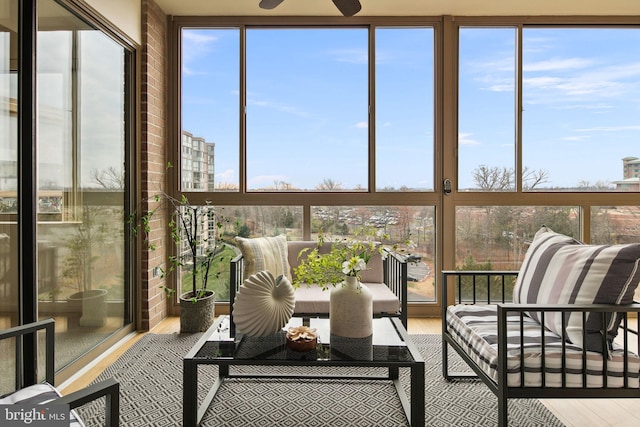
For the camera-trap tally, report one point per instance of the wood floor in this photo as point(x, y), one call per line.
point(572, 412)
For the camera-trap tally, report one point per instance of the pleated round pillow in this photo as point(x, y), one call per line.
point(264, 304)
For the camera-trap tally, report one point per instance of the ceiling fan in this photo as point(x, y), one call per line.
point(346, 7)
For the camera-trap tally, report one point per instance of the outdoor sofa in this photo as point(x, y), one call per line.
point(556, 334)
point(386, 278)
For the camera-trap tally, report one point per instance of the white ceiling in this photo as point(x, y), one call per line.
point(404, 7)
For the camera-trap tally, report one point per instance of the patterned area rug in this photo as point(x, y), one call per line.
point(150, 375)
point(71, 345)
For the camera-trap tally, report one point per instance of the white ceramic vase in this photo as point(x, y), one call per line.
point(351, 310)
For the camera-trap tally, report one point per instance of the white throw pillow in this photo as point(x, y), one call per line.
point(265, 253)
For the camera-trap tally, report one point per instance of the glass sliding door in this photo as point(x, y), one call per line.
point(81, 147)
point(8, 181)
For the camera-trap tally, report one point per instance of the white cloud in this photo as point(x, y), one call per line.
point(463, 139)
point(586, 107)
point(278, 106)
point(542, 82)
point(504, 64)
point(590, 84)
point(609, 129)
point(226, 176)
point(495, 76)
point(362, 125)
point(353, 56)
point(266, 180)
point(557, 64)
point(508, 87)
point(195, 44)
point(575, 138)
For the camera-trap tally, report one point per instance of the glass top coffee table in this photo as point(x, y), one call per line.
point(390, 347)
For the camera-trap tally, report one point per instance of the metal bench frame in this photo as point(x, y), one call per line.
point(110, 388)
point(630, 325)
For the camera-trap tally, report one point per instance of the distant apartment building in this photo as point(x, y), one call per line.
point(197, 163)
point(198, 175)
point(630, 175)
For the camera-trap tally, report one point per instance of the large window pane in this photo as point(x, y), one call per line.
point(404, 109)
point(497, 237)
point(81, 186)
point(400, 223)
point(307, 109)
point(242, 221)
point(486, 109)
point(580, 95)
point(210, 109)
point(615, 225)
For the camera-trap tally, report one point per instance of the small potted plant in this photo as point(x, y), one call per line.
point(197, 244)
point(87, 302)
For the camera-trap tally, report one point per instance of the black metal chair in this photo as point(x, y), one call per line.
point(45, 392)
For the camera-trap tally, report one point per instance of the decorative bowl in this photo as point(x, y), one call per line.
point(301, 338)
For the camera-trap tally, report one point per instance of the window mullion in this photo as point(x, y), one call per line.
point(519, 108)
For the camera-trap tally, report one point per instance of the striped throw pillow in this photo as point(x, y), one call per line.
point(265, 253)
point(558, 269)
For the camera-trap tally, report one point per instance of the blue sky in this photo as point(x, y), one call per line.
point(581, 101)
point(307, 103)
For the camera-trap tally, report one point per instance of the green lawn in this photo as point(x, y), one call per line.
point(218, 275)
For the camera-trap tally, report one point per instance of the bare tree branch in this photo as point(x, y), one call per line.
point(109, 178)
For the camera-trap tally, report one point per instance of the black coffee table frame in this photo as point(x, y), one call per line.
point(224, 357)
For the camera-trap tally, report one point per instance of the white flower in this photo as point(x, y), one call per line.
point(302, 333)
point(345, 267)
point(353, 265)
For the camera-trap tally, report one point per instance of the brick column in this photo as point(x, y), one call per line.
point(153, 158)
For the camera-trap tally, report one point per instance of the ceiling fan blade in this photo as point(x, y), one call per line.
point(269, 4)
point(348, 7)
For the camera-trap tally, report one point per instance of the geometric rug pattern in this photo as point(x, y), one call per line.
point(150, 376)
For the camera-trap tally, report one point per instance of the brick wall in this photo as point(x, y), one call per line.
point(153, 158)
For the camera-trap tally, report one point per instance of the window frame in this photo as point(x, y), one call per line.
point(445, 130)
point(307, 199)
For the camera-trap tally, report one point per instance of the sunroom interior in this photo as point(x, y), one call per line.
point(459, 126)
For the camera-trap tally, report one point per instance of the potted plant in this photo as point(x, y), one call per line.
point(346, 257)
point(351, 305)
point(90, 303)
point(193, 229)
